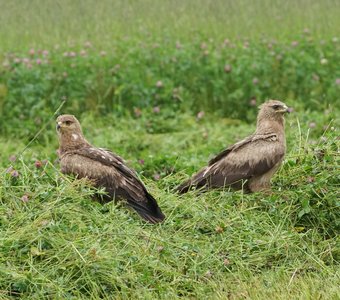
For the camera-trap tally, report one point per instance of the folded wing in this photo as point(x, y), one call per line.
point(253, 156)
point(108, 170)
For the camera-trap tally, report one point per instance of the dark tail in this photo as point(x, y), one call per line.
point(148, 210)
point(196, 182)
point(184, 187)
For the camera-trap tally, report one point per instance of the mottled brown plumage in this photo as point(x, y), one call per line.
point(104, 169)
point(250, 163)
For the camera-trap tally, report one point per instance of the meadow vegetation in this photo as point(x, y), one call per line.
point(166, 87)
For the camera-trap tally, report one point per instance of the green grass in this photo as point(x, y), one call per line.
point(60, 244)
point(180, 56)
point(40, 23)
point(163, 63)
point(225, 78)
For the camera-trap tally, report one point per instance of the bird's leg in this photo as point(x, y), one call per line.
point(258, 185)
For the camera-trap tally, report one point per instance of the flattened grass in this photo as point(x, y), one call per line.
point(60, 244)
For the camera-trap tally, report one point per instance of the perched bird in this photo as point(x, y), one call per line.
point(104, 169)
point(250, 163)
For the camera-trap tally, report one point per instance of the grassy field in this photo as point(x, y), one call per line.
point(46, 23)
point(167, 87)
point(57, 243)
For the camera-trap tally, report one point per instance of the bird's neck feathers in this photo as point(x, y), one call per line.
point(267, 123)
point(71, 141)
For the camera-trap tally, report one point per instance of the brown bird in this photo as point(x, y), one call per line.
point(250, 163)
point(104, 169)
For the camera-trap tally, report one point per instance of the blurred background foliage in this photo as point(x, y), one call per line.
point(123, 57)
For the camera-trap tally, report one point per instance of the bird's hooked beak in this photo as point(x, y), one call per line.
point(58, 126)
point(286, 109)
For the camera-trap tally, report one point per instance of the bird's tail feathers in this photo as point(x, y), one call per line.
point(184, 187)
point(149, 211)
point(197, 182)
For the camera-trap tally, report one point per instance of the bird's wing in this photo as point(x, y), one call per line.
point(229, 149)
point(253, 156)
point(109, 171)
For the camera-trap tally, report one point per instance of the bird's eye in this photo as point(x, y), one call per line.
point(68, 123)
point(276, 106)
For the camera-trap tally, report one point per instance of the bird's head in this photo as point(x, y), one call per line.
point(68, 127)
point(68, 124)
point(272, 109)
point(69, 132)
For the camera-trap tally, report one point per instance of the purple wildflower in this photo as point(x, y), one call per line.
point(252, 102)
point(87, 44)
point(200, 115)
point(156, 176)
point(9, 169)
point(310, 179)
point(255, 81)
point(38, 164)
point(12, 158)
point(14, 173)
point(203, 46)
point(246, 45)
point(312, 125)
point(156, 109)
point(227, 68)
point(83, 53)
point(24, 198)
